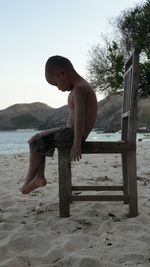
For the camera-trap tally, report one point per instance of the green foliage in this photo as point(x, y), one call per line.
point(26, 121)
point(134, 25)
point(106, 65)
point(144, 79)
point(116, 60)
point(106, 68)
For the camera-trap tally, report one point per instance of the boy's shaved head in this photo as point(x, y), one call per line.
point(58, 63)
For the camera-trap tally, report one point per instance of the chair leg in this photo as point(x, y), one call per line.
point(132, 178)
point(125, 176)
point(64, 167)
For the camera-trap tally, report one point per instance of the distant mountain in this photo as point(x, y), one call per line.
point(20, 116)
point(109, 113)
point(41, 116)
point(110, 109)
point(57, 117)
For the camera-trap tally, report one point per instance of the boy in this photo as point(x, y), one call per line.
point(82, 103)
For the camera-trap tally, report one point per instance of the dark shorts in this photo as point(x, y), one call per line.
point(46, 141)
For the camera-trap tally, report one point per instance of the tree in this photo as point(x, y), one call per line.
point(106, 68)
point(134, 26)
point(106, 65)
point(144, 79)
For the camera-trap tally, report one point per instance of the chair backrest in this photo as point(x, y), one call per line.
point(130, 98)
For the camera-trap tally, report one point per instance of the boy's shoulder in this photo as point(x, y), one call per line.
point(82, 88)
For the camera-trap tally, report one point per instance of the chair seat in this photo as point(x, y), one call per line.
point(107, 147)
point(90, 147)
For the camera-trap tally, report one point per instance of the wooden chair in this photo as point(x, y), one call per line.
point(126, 147)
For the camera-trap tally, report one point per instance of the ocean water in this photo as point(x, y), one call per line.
point(14, 142)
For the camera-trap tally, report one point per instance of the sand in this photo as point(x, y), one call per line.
point(97, 234)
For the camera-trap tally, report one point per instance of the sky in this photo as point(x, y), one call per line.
point(33, 30)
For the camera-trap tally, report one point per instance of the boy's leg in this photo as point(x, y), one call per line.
point(35, 161)
point(38, 181)
point(36, 169)
point(35, 177)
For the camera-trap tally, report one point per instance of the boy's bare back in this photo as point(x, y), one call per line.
point(82, 104)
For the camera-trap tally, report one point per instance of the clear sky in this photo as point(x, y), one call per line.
point(33, 30)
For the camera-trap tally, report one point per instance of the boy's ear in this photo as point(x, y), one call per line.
point(63, 74)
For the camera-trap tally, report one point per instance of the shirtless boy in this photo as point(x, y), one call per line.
point(82, 104)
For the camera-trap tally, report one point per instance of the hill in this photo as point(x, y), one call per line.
point(110, 109)
point(20, 116)
point(41, 116)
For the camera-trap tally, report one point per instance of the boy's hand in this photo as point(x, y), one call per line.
point(75, 153)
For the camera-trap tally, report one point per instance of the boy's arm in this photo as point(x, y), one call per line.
point(79, 123)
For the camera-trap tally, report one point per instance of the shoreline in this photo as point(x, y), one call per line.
point(108, 137)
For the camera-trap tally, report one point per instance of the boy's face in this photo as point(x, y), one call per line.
point(60, 80)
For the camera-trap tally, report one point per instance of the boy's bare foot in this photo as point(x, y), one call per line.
point(34, 184)
point(27, 181)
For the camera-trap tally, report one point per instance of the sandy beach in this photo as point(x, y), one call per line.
point(97, 234)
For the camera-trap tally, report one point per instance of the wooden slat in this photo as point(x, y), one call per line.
point(97, 188)
point(64, 169)
point(102, 147)
point(98, 198)
point(125, 114)
point(128, 70)
point(132, 176)
point(125, 174)
point(107, 147)
point(128, 62)
point(128, 90)
point(134, 100)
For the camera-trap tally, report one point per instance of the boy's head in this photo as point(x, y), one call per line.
point(58, 72)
